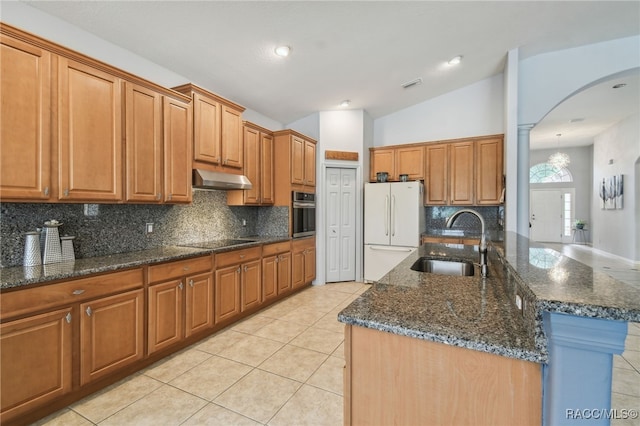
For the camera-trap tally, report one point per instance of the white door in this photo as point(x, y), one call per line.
point(341, 225)
point(377, 201)
point(406, 212)
point(546, 215)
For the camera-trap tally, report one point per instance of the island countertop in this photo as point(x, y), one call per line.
point(481, 313)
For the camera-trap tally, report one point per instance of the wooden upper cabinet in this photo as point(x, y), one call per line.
point(143, 144)
point(217, 131)
point(177, 151)
point(461, 173)
point(232, 146)
point(436, 179)
point(489, 172)
point(382, 160)
point(410, 161)
point(258, 168)
point(90, 133)
point(309, 163)
point(25, 133)
point(297, 160)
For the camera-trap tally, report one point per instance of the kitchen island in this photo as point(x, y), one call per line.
point(537, 308)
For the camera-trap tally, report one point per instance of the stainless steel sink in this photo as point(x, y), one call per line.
point(443, 267)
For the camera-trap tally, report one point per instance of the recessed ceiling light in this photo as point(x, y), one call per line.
point(619, 85)
point(283, 51)
point(576, 120)
point(345, 103)
point(455, 60)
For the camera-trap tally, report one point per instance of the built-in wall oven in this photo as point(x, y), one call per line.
point(304, 214)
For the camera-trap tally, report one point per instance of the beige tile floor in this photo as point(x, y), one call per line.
point(283, 366)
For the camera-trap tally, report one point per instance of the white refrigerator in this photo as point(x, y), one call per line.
point(393, 221)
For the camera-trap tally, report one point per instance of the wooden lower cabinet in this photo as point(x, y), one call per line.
point(227, 297)
point(180, 301)
point(303, 252)
point(392, 379)
point(250, 285)
point(276, 270)
point(35, 361)
point(111, 334)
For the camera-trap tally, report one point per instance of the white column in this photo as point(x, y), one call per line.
point(523, 178)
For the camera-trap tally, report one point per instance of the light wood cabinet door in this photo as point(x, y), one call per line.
point(489, 173)
point(177, 151)
point(143, 144)
point(227, 297)
point(436, 180)
point(309, 163)
point(297, 160)
point(297, 268)
point(90, 133)
point(284, 273)
point(410, 161)
point(232, 146)
point(206, 137)
point(252, 162)
point(461, 173)
point(35, 360)
point(250, 292)
point(165, 314)
point(269, 277)
point(199, 303)
point(382, 160)
point(111, 334)
point(309, 264)
point(267, 179)
point(25, 136)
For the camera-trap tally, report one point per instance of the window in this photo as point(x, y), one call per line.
point(567, 214)
point(546, 173)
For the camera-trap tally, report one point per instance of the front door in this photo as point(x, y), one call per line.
point(341, 225)
point(546, 215)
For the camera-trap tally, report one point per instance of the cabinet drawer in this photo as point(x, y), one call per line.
point(303, 243)
point(35, 299)
point(180, 268)
point(237, 256)
point(271, 249)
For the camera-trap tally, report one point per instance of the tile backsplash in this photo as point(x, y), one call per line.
point(102, 229)
point(436, 217)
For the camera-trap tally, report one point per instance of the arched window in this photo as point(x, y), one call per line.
point(546, 173)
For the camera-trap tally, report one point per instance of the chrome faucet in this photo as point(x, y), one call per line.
point(483, 239)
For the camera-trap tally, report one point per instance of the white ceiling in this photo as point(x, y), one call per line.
point(362, 51)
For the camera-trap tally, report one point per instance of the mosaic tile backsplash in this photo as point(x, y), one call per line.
point(436, 217)
point(102, 229)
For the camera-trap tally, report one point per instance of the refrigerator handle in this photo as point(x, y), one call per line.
point(386, 215)
point(393, 216)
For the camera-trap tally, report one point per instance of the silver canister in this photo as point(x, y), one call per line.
point(68, 254)
point(52, 249)
point(32, 256)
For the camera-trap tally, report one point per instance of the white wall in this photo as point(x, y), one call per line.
point(615, 231)
point(473, 110)
point(546, 80)
point(54, 29)
point(309, 125)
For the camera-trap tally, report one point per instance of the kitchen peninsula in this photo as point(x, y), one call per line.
point(493, 350)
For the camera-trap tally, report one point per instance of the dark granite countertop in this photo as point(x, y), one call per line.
point(20, 276)
point(480, 313)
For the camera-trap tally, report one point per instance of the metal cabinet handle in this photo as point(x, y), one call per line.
point(66, 192)
point(46, 191)
point(277, 259)
point(185, 268)
point(239, 270)
point(169, 196)
point(191, 283)
point(77, 292)
point(246, 268)
point(68, 318)
point(89, 311)
point(158, 195)
point(180, 286)
point(242, 256)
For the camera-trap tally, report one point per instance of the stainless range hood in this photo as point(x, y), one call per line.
point(205, 179)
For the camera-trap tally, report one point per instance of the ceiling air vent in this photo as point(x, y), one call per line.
point(412, 83)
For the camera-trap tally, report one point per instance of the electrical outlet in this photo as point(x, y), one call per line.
point(149, 228)
point(244, 222)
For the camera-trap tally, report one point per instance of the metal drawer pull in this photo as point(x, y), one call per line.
point(89, 311)
point(76, 292)
point(191, 283)
point(185, 268)
point(68, 318)
point(239, 269)
point(246, 268)
point(242, 256)
point(180, 286)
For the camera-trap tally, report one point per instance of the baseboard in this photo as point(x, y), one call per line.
point(635, 263)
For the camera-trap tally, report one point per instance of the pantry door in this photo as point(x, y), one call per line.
point(341, 225)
